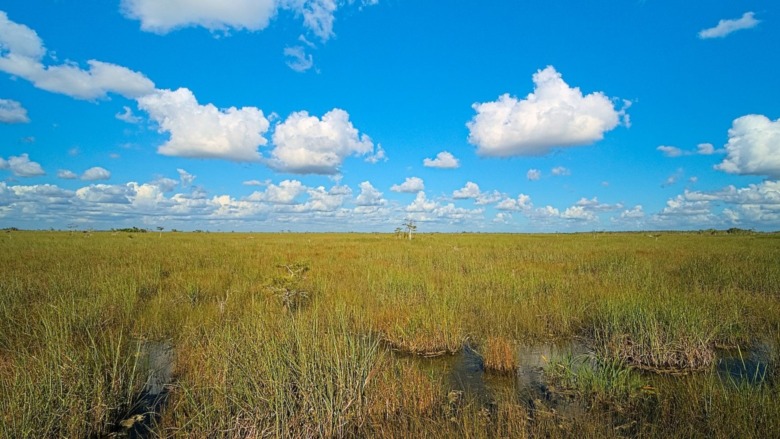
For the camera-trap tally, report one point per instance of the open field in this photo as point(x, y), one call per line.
point(310, 335)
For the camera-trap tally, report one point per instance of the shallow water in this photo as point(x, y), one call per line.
point(751, 366)
point(158, 359)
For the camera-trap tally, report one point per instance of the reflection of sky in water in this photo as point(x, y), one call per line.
point(751, 367)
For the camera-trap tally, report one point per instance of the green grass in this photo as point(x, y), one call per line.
point(265, 349)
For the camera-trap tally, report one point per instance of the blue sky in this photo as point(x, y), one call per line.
point(355, 115)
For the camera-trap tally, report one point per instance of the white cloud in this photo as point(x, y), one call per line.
point(674, 178)
point(127, 115)
point(533, 174)
point(470, 190)
point(297, 58)
point(369, 196)
point(321, 200)
point(185, 177)
point(22, 54)
point(96, 173)
point(12, 112)
point(502, 218)
point(425, 210)
point(635, 212)
point(443, 160)
point(554, 115)
point(594, 205)
point(377, 156)
point(204, 131)
point(223, 15)
point(21, 166)
point(256, 183)
point(522, 202)
point(104, 193)
point(671, 151)
point(285, 193)
point(317, 15)
point(165, 184)
point(216, 15)
point(753, 147)
point(705, 149)
point(305, 144)
point(579, 213)
point(725, 27)
point(421, 204)
point(560, 171)
point(410, 185)
point(66, 174)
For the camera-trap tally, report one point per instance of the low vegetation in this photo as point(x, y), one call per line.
point(324, 335)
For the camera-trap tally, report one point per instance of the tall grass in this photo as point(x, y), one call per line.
point(253, 359)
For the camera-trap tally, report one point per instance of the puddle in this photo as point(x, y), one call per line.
point(745, 366)
point(144, 415)
point(532, 387)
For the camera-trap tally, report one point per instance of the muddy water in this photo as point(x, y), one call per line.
point(157, 358)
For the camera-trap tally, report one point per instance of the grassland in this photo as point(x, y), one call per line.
point(317, 335)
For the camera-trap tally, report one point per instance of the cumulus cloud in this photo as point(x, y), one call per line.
point(470, 190)
point(753, 147)
point(12, 112)
point(204, 131)
point(554, 115)
point(305, 144)
point(725, 27)
point(443, 160)
point(22, 52)
point(22, 166)
point(410, 185)
point(369, 196)
point(216, 15)
point(522, 202)
point(635, 212)
point(285, 192)
point(297, 59)
point(560, 171)
point(579, 213)
point(423, 209)
point(96, 173)
point(533, 174)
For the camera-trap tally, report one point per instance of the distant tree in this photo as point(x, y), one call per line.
point(410, 227)
point(398, 232)
point(160, 229)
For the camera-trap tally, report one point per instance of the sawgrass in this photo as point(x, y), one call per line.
point(300, 334)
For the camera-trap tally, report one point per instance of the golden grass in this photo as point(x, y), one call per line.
point(255, 357)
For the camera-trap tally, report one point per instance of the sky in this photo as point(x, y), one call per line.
point(359, 115)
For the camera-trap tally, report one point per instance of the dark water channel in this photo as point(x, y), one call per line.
point(140, 422)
